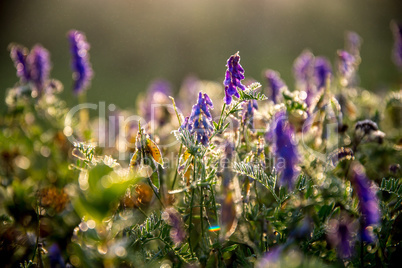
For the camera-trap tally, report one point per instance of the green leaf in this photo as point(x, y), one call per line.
point(230, 248)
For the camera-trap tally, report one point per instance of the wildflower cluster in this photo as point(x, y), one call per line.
point(304, 178)
point(200, 119)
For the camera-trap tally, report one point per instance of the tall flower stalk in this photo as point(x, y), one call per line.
point(82, 70)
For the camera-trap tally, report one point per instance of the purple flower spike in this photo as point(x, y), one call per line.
point(397, 50)
point(275, 84)
point(369, 206)
point(346, 64)
point(233, 77)
point(19, 56)
point(322, 69)
point(287, 156)
point(40, 66)
point(303, 68)
point(200, 120)
point(82, 70)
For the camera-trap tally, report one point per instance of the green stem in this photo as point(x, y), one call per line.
point(156, 194)
point(191, 212)
point(201, 209)
point(191, 222)
point(220, 118)
point(177, 166)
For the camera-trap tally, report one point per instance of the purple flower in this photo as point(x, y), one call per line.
point(275, 84)
point(322, 69)
point(287, 156)
point(346, 65)
point(303, 68)
point(271, 257)
point(39, 62)
point(340, 236)
point(353, 43)
point(82, 70)
point(369, 206)
point(233, 77)
point(200, 120)
point(248, 113)
point(174, 219)
point(55, 257)
point(154, 105)
point(397, 50)
point(19, 56)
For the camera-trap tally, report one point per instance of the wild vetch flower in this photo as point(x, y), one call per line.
point(275, 84)
point(19, 56)
point(346, 66)
point(340, 236)
point(322, 69)
point(200, 120)
point(369, 206)
point(248, 114)
point(303, 68)
point(174, 219)
point(233, 77)
point(397, 50)
point(286, 152)
point(82, 70)
point(39, 62)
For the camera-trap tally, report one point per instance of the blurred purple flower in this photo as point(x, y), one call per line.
point(156, 100)
point(346, 64)
point(397, 50)
point(174, 219)
point(271, 257)
point(39, 62)
point(82, 70)
point(55, 257)
point(233, 77)
point(303, 68)
point(248, 114)
point(200, 120)
point(353, 43)
point(322, 69)
point(275, 84)
point(286, 152)
point(369, 206)
point(19, 56)
point(340, 236)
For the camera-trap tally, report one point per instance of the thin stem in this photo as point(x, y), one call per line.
point(84, 115)
point(177, 166)
point(191, 222)
point(201, 211)
point(220, 118)
point(156, 194)
point(191, 212)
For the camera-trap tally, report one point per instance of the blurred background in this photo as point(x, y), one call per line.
point(136, 41)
